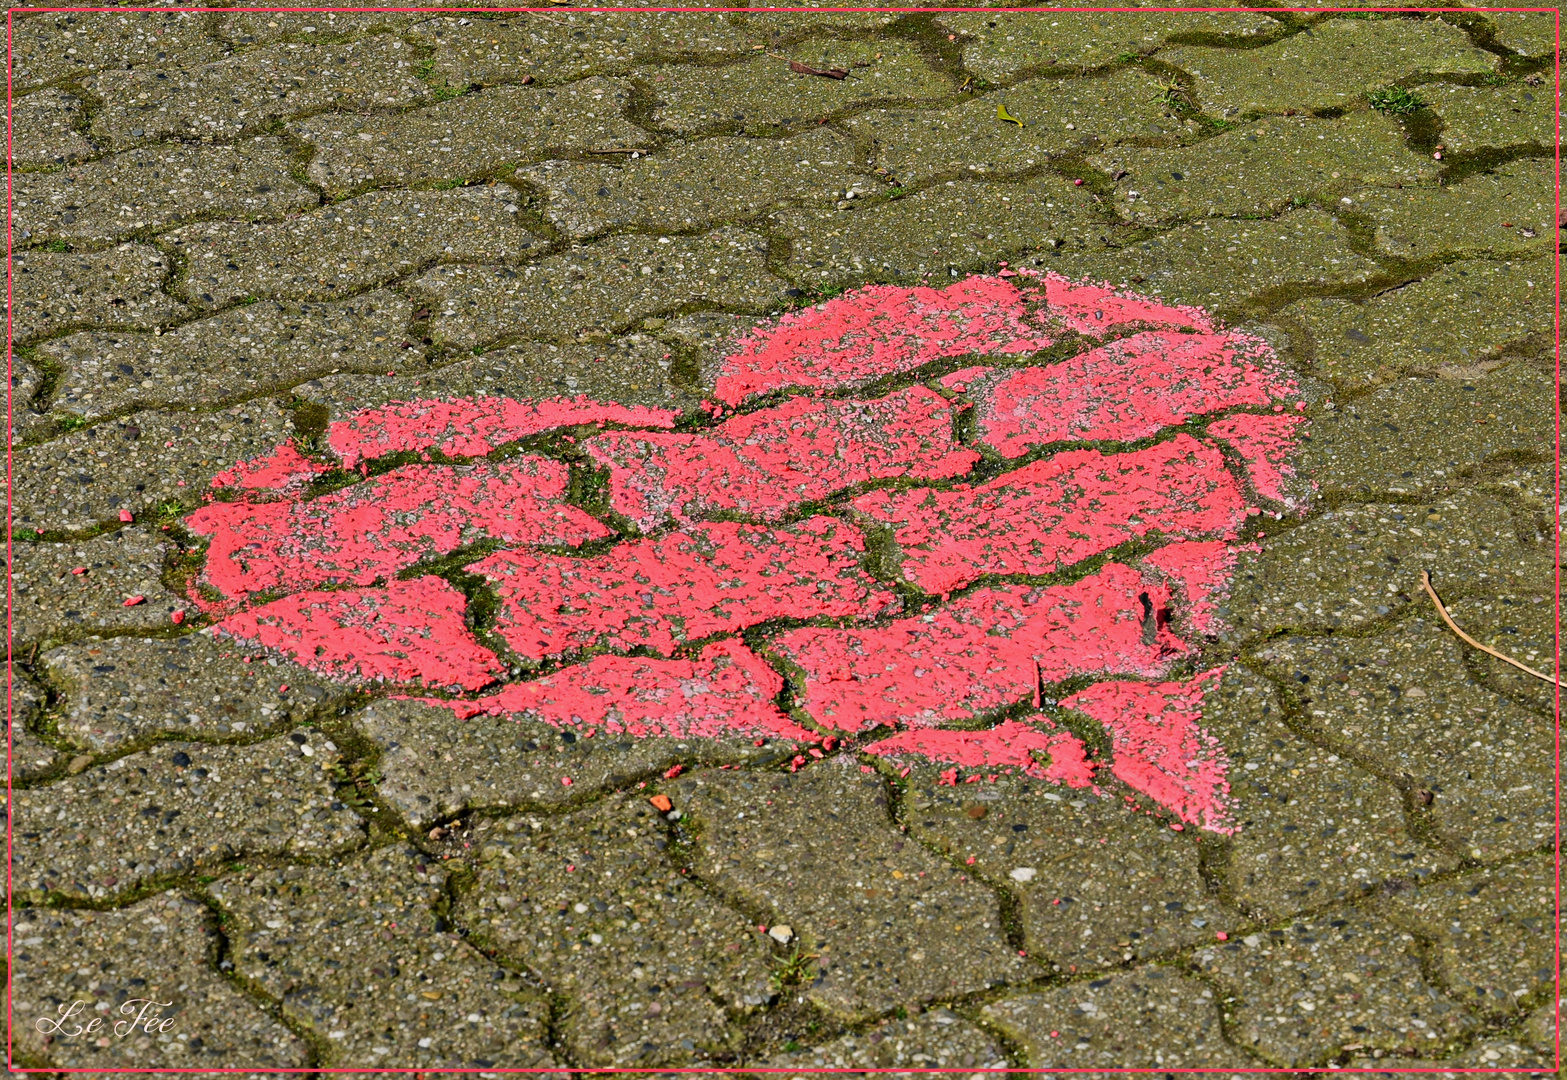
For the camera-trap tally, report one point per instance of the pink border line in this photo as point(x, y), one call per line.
point(709, 1071)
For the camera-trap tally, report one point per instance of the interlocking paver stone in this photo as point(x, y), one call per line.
point(815, 850)
point(31, 757)
point(69, 45)
point(1529, 33)
point(918, 145)
point(935, 231)
point(157, 187)
point(632, 369)
point(435, 766)
point(264, 27)
point(120, 692)
point(1331, 65)
point(1382, 441)
point(1257, 170)
point(762, 91)
point(137, 462)
point(179, 807)
point(1001, 45)
point(1492, 930)
point(609, 285)
point(183, 97)
point(1222, 262)
point(477, 134)
point(46, 130)
point(1350, 565)
point(1502, 213)
point(164, 947)
point(1148, 1017)
point(51, 603)
point(933, 1039)
point(1477, 117)
point(569, 44)
point(54, 291)
point(245, 351)
point(26, 383)
point(357, 955)
point(1109, 883)
point(1457, 317)
point(1313, 827)
point(1485, 761)
point(1339, 977)
point(649, 960)
point(697, 186)
point(340, 249)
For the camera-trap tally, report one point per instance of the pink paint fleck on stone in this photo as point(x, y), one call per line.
point(725, 692)
point(1019, 744)
point(1159, 747)
point(1093, 309)
point(285, 471)
point(1203, 570)
point(766, 463)
point(1059, 511)
point(876, 331)
point(985, 651)
point(1265, 442)
point(688, 585)
point(1129, 389)
point(472, 427)
point(407, 632)
point(369, 531)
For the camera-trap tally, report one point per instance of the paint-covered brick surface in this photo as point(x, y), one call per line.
point(790, 540)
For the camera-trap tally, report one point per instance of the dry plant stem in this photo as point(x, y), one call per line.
point(1425, 579)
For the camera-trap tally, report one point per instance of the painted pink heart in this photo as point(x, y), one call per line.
point(895, 510)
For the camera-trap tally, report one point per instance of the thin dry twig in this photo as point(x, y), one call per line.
point(1425, 579)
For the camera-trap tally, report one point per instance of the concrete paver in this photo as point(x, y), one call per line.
point(1333, 852)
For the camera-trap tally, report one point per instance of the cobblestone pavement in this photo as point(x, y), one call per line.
point(232, 229)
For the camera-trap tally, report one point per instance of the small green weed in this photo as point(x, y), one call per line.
point(795, 971)
point(57, 245)
point(1394, 100)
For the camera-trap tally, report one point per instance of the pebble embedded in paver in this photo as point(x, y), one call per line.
point(607, 286)
point(888, 923)
point(120, 692)
point(157, 187)
point(934, 1039)
point(162, 947)
point(1148, 1017)
point(1457, 317)
point(1059, 116)
point(1102, 882)
point(654, 967)
point(249, 350)
point(139, 464)
point(1258, 169)
point(179, 808)
point(185, 97)
point(357, 955)
point(123, 286)
point(1492, 930)
point(940, 230)
point(1312, 826)
point(65, 46)
point(1506, 212)
point(474, 135)
point(1353, 565)
point(698, 186)
point(1000, 45)
point(762, 92)
point(436, 766)
point(1485, 761)
point(369, 240)
point(1220, 263)
point(1330, 65)
point(46, 130)
point(52, 602)
point(1477, 118)
point(1420, 434)
point(1338, 977)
